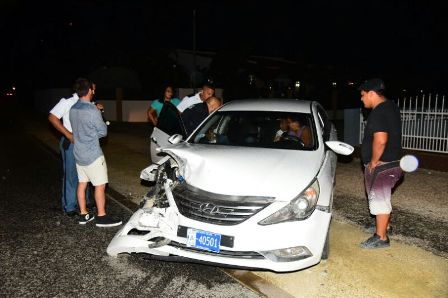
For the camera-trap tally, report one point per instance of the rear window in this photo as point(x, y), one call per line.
point(279, 130)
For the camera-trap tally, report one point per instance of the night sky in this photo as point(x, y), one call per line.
point(403, 41)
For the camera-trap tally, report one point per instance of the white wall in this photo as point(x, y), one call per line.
point(132, 110)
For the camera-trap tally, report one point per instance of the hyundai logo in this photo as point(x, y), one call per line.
point(209, 208)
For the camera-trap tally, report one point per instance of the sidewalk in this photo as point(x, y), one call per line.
point(402, 270)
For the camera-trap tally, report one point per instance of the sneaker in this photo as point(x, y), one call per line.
point(85, 218)
point(375, 242)
point(107, 221)
point(372, 229)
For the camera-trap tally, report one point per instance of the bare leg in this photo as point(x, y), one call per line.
point(382, 221)
point(100, 199)
point(81, 192)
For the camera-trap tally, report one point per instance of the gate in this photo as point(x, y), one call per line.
point(424, 123)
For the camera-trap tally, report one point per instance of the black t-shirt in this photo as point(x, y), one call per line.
point(385, 117)
point(194, 115)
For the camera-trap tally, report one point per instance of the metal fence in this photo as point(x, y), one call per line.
point(424, 123)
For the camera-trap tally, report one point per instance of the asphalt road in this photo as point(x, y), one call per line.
point(44, 253)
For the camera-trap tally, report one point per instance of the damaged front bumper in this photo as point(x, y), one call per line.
point(159, 229)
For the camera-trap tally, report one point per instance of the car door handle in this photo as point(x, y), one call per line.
point(154, 140)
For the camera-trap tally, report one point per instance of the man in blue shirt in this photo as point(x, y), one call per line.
point(88, 127)
point(70, 179)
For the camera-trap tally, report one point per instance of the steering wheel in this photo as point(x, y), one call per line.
point(290, 138)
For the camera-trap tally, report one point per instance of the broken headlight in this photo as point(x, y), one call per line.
point(168, 172)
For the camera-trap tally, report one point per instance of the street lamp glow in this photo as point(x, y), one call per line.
point(297, 84)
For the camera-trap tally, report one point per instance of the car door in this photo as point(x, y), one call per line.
point(328, 168)
point(169, 123)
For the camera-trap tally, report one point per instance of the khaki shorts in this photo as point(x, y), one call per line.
point(96, 172)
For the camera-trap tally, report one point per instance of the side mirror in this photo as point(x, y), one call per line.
point(175, 139)
point(340, 147)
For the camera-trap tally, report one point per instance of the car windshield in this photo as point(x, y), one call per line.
point(262, 129)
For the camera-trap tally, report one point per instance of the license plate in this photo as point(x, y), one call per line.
point(203, 240)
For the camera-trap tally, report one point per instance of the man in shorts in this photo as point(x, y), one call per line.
point(88, 127)
point(70, 178)
point(381, 152)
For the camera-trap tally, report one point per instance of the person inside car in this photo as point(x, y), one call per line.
point(284, 127)
point(300, 131)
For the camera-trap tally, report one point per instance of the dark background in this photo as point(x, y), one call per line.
point(48, 44)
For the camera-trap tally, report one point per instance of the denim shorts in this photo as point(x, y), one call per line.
point(379, 186)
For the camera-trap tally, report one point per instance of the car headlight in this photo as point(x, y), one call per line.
point(299, 208)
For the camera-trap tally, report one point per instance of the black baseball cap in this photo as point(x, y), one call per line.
point(372, 85)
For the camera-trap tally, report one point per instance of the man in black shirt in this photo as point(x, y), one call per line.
point(194, 115)
point(381, 152)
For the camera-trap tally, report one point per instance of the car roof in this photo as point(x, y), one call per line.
point(269, 104)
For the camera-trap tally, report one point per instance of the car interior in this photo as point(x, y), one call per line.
point(251, 129)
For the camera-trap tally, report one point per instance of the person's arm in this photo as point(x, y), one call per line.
point(152, 116)
point(378, 146)
point(306, 136)
point(56, 122)
point(101, 127)
point(278, 134)
point(185, 103)
point(99, 107)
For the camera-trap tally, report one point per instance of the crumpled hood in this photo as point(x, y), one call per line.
point(281, 174)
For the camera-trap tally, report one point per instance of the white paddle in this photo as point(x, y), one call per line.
point(409, 163)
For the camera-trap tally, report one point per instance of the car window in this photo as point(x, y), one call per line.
point(257, 129)
point(169, 120)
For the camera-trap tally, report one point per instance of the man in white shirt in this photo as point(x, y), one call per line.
point(207, 91)
point(70, 179)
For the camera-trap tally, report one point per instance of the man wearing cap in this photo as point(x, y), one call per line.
point(380, 152)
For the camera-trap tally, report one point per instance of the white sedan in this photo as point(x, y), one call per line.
point(239, 191)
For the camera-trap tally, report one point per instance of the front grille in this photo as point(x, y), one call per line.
point(222, 253)
point(216, 208)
